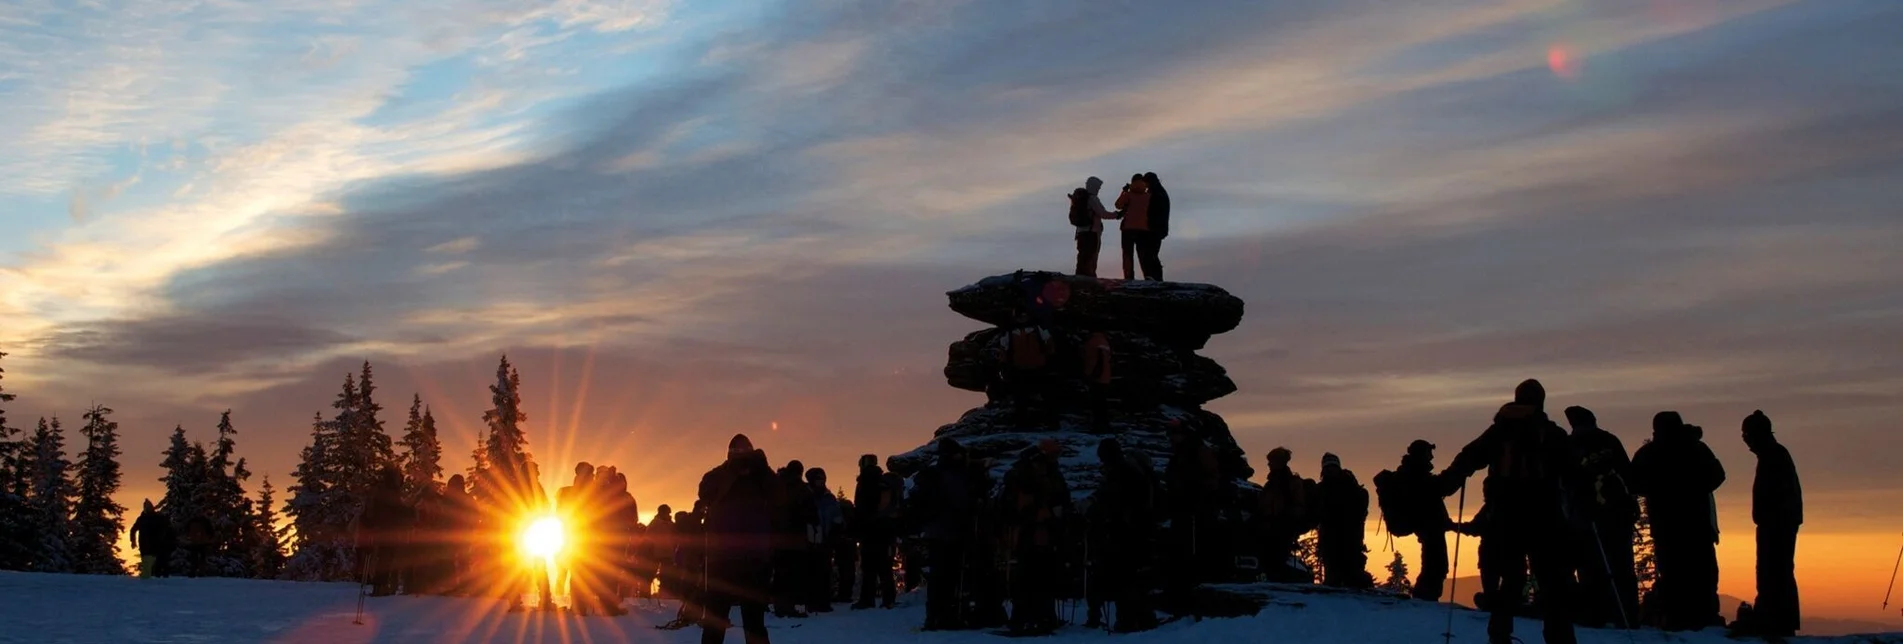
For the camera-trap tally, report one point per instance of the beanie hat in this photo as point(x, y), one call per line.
point(1581, 416)
point(1757, 423)
point(868, 460)
point(1280, 456)
point(740, 441)
point(1530, 392)
point(1667, 420)
point(1330, 459)
point(1420, 447)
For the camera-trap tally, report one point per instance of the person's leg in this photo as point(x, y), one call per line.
point(1553, 568)
point(1148, 246)
point(943, 585)
point(1433, 565)
point(1129, 241)
point(1777, 604)
point(1703, 607)
point(717, 608)
point(1506, 557)
point(1616, 539)
point(1088, 245)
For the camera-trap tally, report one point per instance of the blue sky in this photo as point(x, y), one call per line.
point(688, 219)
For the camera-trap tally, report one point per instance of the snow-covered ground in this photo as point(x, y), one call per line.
point(72, 609)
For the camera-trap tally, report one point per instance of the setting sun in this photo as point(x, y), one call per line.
point(543, 538)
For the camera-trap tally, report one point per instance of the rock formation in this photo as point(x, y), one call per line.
point(1158, 380)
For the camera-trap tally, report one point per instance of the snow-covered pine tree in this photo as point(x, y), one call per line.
point(512, 483)
point(226, 505)
point(1397, 581)
point(422, 451)
point(379, 450)
point(51, 499)
point(319, 508)
point(178, 477)
point(16, 528)
point(267, 552)
point(97, 518)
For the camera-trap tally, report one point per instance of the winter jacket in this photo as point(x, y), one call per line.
point(1035, 499)
point(156, 529)
point(828, 521)
point(1193, 476)
point(1159, 211)
point(1777, 499)
point(1529, 461)
point(1604, 468)
point(1095, 204)
point(1677, 474)
point(1344, 505)
point(949, 497)
point(745, 504)
point(1136, 210)
point(1420, 495)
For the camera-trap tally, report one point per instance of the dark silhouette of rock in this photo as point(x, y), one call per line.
point(1175, 313)
point(1148, 372)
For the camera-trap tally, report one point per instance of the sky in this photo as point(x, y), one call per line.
point(686, 220)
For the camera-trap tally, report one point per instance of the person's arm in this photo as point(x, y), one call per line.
point(1096, 206)
point(1714, 474)
point(1471, 459)
point(134, 532)
point(1123, 200)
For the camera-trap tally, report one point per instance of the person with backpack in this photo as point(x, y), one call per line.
point(1025, 352)
point(1035, 499)
point(1777, 507)
point(875, 506)
point(1087, 215)
point(1133, 207)
point(1285, 510)
point(1340, 537)
point(1677, 474)
point(1121, 520)
point(159, 541)
point(1411, 505)
point(745, 511)
point(1608, 580)
point(1159, 225)
point(1529, 461)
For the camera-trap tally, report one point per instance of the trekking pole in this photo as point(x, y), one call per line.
point(1453, 589)
point(1611, 585)
point(1892, 587)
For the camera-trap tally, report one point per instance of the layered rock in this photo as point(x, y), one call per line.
point(1158, 381)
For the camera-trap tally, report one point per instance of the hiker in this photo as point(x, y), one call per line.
point(823, 531)
point(1285, 510)
point(1122, 518)
point(1193, 481)
point(381, 526)
point(428, 556)
point(948, 497)
point(459, 524)
point(1087, 215)
point(1411, 505)
point(1097, 359)
point(790, 550)
point(1678, 475)
point(1159, 224)
point(156, 550)
point(1528, 461)
point(745, 507)
point(1777, 507)
point(1340, 536)
point(1608, 582)
point(1133, 207)
point(576, 504)
point(656, 555)
point(1024, 352)
point(1035, 500)
point(875, 508)
point(623, 520)
point(844, 552)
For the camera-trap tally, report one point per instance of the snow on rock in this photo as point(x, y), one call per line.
point(1153, 330)
point(91, 609)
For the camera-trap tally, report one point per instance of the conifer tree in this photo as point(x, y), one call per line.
point(1397, 581)
point(184, 480)
point(512, 475)
point(319, 508)
point(97, 518)
point(1644, 557)
point(422, 451)
point(267, 553)
point(51, 499)
point(17, 540)
point(226, 506)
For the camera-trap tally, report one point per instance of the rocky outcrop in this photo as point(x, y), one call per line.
point(1158, 381)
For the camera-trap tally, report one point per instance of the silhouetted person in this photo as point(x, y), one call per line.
point(1419, 510)
point(1340, 538)
point(1777, 507)
point(1677, 474)
point(1097, 360)
point(844, 552)
point(745, 504)
point(1139, 244)
point(1192, 480)
point(382, 526)
point(1286, 508)
point(622, 516)
point(1159, 224)
point(1529, 462)
point(1035, 501)
point(1608, 584)
point(789, 557)
point(820, 535)
point(155, 551)
point(948, 496)
point(1087, 207)
point(657, 551)
point(875, 506)
point(578, 506)
point(459, 524)
point(1122, 520)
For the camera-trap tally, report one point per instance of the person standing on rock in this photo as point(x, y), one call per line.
point(1087, 215)
point(1412, 505)
point(1677, 474)
point(1139, 245)
point(1608, 581)
point(745, 505)
point(948, 498)
point(1036, 500)
point(1193, 481)
point(1025, 352)
point(1777, 507)
point(1097, 360)
point(1285, 510)
point(1340, 539)
point(1529, 462)
point(1159, 225)
point(874, 504)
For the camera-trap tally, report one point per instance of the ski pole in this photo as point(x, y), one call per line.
point(1611, 584)
point(1892, 587)
point(1453, 589)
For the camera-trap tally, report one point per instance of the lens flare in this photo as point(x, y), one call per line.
point(1561, 60)
point(543, 538)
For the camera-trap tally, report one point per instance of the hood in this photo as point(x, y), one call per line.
point(1093, 184)
point(1514, 411)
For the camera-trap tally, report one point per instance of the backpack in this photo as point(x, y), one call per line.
point(1028, 348)
point(1396, 502)
point(1080, 214)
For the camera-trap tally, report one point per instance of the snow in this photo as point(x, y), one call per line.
point(81, 609)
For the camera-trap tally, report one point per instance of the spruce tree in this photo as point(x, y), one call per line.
point(320, 510)
point(226, 506)
point(17, 540)
point(422, 452)
point(267, 553)
point(184, 480)
point(511, 483)
point(97, 518)
point(51, 499)
point(1397, 581)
